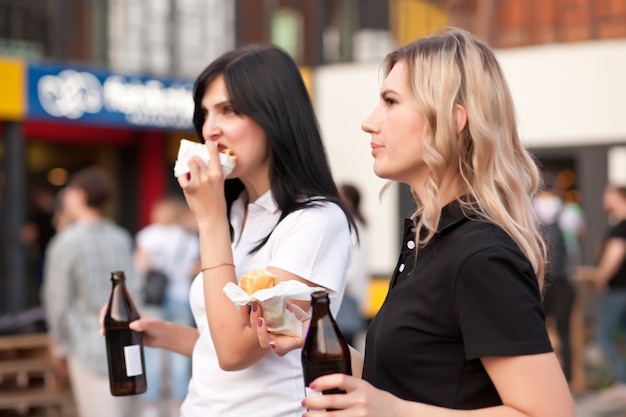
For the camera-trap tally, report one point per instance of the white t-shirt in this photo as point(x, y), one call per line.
point(174, 250)
point(313, 243)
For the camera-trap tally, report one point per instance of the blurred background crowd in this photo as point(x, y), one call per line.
point(108, 83)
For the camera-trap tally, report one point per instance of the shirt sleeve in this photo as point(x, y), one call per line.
point(146, 239)
point(618, 232)
point(315, 244)
point(498, 305)
point(57, 289)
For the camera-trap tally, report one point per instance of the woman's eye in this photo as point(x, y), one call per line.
point(230, 110)
point(389, 101)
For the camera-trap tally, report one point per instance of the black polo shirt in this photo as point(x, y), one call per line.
point(471, 293)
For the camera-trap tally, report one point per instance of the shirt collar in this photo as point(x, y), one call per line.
point(452, 214)
point(266, 201)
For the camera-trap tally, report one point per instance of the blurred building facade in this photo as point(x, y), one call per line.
point(564, 59)
point(95, 82)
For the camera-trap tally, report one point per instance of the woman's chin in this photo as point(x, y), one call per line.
point(382, 172)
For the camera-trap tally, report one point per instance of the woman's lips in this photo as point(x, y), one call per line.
point(376, 148)
point(225, 150)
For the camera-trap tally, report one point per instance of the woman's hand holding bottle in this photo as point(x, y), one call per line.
point(361, 397)
point(152, 330)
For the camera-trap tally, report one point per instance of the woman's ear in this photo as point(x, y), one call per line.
point(460, 118)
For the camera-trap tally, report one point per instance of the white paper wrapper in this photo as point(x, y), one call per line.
point(189, 148)
point(273, 301)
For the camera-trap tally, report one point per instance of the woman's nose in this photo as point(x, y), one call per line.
point(368, 125)
point(210, 130)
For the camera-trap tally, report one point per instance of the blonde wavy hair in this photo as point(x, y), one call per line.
point(492, 168)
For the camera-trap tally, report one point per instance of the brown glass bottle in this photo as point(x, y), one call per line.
point(124, 346)
point(325, 349)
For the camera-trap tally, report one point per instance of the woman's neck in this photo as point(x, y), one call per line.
point(255, 189)
point(449, 190)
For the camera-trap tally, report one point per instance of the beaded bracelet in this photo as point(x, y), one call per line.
point(208, 268)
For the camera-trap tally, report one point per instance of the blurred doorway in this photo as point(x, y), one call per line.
point(584, 172)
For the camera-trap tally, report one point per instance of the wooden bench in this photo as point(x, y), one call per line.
point(28, 401)
point(29, 385)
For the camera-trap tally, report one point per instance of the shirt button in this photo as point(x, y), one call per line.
point(410, 244)
point(401, 268)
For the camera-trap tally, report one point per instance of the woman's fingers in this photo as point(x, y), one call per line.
point(264, 335)
point(214, 157)
point(152, 331)
point(198, 171)
point(281, 344)
point(338, 380)
point(257, 322)
point(244, 312)
point(298, 312)
point(360, 397)
point(203, 172)
point(103, 312)
point(138, 325)
point(332, 401)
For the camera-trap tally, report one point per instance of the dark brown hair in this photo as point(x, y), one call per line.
point(265, 84)
point(353, 196)
point(97, 185)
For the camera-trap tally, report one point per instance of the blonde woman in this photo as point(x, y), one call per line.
point(462, 331)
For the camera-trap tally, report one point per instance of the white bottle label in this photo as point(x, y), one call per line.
point(132, 358)
point(312, 393)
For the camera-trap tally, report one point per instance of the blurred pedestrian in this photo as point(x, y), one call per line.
point(79, 262)
point(560, 292)
point(166, 246)
point(574, 228)
point(38, 229)
point(461, 331)
point(60, 217)
point(278, 210)
point(610, 282)
point(351, 319)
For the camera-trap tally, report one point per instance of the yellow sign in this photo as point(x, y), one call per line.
point(378, 287)
point(12, 89)
point(413, 19)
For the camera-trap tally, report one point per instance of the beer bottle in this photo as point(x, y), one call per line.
point(124, 346)
point(325, 349)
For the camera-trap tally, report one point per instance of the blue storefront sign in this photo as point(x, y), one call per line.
point(104, 98)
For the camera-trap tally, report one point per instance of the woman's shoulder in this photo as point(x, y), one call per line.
point(478, 235)
point(619, 230)
point(319, 211)
point(322, 208)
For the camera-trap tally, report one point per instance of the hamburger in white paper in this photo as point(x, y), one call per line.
point(188, 149)
point(274, 303)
